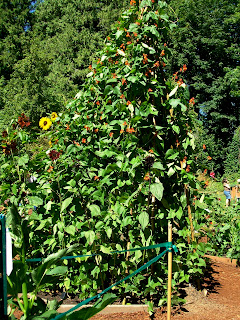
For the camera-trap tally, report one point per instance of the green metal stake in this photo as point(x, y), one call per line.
point(3, 270)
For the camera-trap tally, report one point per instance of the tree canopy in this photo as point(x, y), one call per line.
point(207, 40)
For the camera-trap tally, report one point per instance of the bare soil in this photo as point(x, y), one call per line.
point(218, 300)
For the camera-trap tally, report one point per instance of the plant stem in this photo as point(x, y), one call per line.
point(24, 284)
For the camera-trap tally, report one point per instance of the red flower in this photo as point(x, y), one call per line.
point(111, 134)
point(54, 155)
point(184, 68)
point(209, 158)
point(84, 140)
point(212, 174)
point(204, 147)
point(96, 178)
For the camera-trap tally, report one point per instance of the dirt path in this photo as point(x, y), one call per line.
point(222, 301)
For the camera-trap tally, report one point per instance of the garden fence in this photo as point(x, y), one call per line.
point(3, 258)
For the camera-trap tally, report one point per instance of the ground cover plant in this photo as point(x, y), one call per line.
point(109, 173)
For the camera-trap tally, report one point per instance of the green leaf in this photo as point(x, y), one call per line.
point(23, 160)
point(35, 201)
point(157, 190)
point(95, 210)
point(143, 219)
point(105, 249)
point(158, 165)
point(119, 33)
point(70, 230)
point(50, 314)
point(88, 312)
point(60, 270)
point(90, 236)
point(66, 203)
point(176, 129)
point(14, 189)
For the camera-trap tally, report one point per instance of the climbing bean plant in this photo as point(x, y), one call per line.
point(114, 167)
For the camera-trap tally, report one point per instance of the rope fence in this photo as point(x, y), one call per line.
point(169, 247)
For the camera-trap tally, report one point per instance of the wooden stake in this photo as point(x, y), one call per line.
point(169, 274)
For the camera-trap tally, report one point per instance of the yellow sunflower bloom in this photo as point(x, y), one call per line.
point(54, 116)
point(45, 123)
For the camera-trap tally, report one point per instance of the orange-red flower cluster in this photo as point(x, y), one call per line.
point(145, 59)
point(23, 121)
point(50, 169)
point(192, 101)
point(130, 130)
point(147, 176)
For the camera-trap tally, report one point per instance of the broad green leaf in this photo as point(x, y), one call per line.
point(90, 236)
point(70, 230)
point(143, 219)
point(157, 190)
point(105, 249)
point(158, 165)
point(35, 201)
point(66, 203)
point(176, 129)
point(23, 160)
point(119, 33)
point(95, 210)
point(57, 271)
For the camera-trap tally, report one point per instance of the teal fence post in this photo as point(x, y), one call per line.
point(3, 269)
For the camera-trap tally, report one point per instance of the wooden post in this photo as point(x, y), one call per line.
point(169, 274)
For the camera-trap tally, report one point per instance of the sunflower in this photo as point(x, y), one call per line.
point(54, 116)
point(45, 123)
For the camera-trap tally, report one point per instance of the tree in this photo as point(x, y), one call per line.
point(63, 40)
point(15, 22)
point(207, 40)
